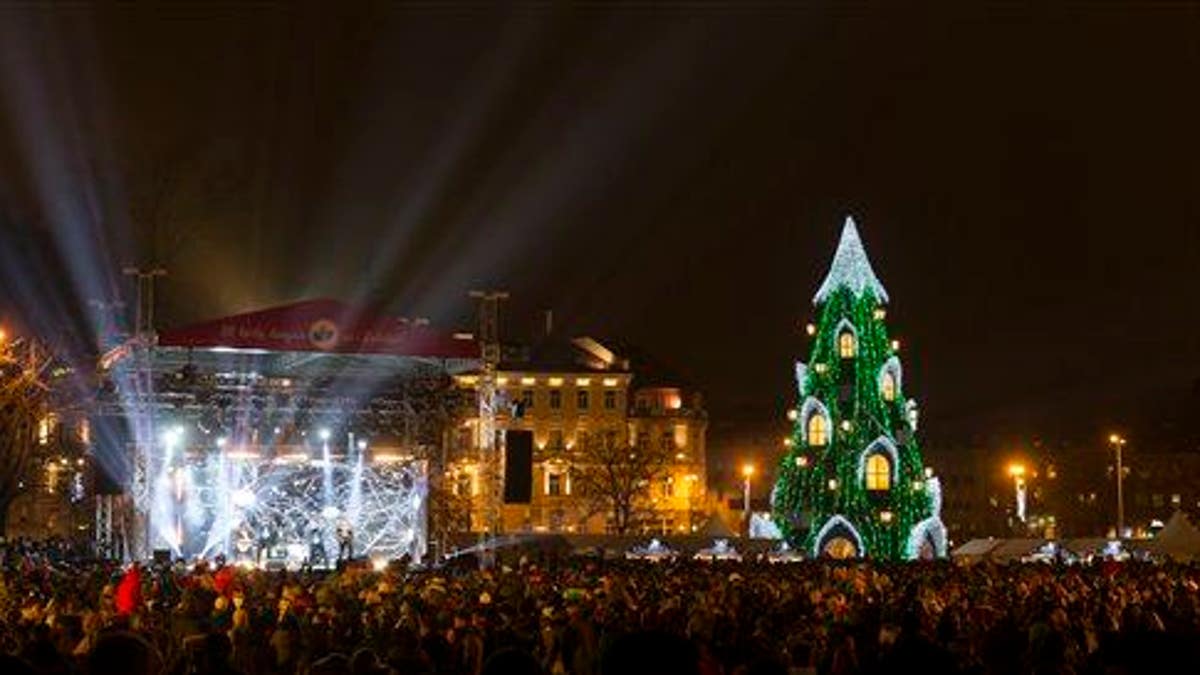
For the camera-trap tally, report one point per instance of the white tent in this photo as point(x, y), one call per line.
point(1178, 540)
point(976, 549)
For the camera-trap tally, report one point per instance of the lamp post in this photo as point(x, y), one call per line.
point(747, 473)
point(1017, 471)
point(1118, 442)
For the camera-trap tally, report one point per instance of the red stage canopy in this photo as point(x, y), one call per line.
point(320, 326)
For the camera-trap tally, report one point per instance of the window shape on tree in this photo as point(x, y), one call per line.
point(818, 429)
point(847, 339)
point(879, 473)
point(884, 448)
point(889, 379)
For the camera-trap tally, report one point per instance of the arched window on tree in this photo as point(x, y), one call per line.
point(847, 345)
point(887, 386)
point(818, 430)
point(879, 473)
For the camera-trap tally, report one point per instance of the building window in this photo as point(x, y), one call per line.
point(554, 484)
point(818, 430)
point(668, 487)
point(879, 473)
point(555, 399)
point(527, 398)
point(1176, 500)
point(610, 439)
point(846, 345)
point(462, 485)
point(1157, 500)
point(666, 442)
point(556, 439)
point(610, 400)
point(581, 399)
point(888, 386)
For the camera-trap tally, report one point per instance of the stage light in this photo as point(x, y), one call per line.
point(379, 564)
point(172, 436)
point(362, 444)
point(221, 442)
point(243, 498)
point(330, 512)
point(324, 434)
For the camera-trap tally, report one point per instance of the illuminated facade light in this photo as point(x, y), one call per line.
point(885, 516)
point(610, 381)
point(528, 381)
point(880, 313)
point(501, 381)
point(802, 461)
point(833, 484)
point(895, 345)
point(556, 381)
point(845, 425)
point(787, 442)
point(583, 381)
point(792, 414)
point(820, 368)
point(810, 329)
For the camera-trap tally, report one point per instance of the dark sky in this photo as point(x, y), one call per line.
point(1026, 181)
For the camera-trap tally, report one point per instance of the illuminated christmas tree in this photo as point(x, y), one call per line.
point(852, 483)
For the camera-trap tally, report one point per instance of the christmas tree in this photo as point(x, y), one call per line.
point(852, 483)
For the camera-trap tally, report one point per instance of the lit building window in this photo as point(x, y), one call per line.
point(888, 386)
point(818, 430)
point(554, 484)
point(846, 345)
point(46, 428)
point(879, 473)
point(555, 399)
point(610, 400)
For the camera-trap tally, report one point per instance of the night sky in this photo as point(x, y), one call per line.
point(1027, 183)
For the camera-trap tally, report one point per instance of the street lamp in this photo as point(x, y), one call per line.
point(747, 473)
point(1017, 471)
point(1118, 442)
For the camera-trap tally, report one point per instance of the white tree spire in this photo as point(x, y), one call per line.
point(850, 268)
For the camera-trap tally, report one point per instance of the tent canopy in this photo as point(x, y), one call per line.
point(976, 548)
point(1179, 539)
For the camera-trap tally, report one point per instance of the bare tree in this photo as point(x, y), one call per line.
point(24, 400)
point(618, 479)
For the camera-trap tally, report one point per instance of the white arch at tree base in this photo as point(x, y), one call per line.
point(834, 521)
point(935, 530)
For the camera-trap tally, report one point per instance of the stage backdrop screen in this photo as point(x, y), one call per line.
point(518, 466)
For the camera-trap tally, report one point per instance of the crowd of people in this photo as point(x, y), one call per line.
point(594, 616)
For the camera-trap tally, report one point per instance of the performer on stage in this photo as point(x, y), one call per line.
point(266, 540)
point(345, 537)
point(244, 544)
point(316, 549)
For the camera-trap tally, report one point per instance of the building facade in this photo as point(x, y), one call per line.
point(578, 400)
